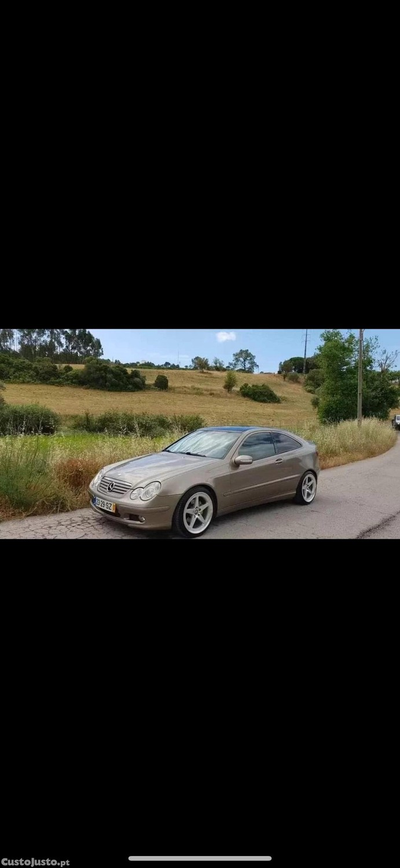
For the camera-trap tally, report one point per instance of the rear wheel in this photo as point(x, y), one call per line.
point(194, 513)
point(306, 489)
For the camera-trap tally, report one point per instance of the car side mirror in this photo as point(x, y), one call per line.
point(242, 459)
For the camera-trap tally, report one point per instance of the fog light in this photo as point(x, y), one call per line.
point(141, 519)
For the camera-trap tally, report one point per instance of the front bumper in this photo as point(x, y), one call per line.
point(156, 515)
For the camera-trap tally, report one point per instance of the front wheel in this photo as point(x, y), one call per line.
point(194, 513)
point(306, 489)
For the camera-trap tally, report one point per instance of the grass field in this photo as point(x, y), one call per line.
point(189, 392)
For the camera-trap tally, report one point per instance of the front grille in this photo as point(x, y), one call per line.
point(118, 490)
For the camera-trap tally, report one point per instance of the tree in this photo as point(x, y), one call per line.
point(80, 344)
point(245, 361)
point(388, 360)
point(29, 341)
point(285, 368)
point(296, 365)
point(218, 365)
point(6, 339)
point(51, 347)
point(380, 395)
point(338, 393)
point(293, 365)
point(314, 380)
point(230, 381)
point(200, 364)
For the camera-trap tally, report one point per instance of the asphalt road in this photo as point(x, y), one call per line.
point(357, 501)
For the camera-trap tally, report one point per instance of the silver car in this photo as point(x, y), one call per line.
point(210, 472)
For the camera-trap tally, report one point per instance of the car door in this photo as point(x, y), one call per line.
point(289, 454)
point(261, 480)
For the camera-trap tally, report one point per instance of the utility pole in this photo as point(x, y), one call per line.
point(305, 354)
point(360, 377)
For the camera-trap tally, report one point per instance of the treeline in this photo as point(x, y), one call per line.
point(69, 346)
point(95, 374)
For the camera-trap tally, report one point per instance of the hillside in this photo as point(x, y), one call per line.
point(189, 392)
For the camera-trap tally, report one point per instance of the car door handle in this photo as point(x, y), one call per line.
point(279, 461)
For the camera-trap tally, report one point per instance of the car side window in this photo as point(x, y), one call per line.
point(259, 446)
point(284, 443)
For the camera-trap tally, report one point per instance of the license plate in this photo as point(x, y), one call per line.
point(104, 504)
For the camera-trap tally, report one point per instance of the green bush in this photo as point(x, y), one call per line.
point(261, 393)
point(293, 377)
point(230, 381)
point(138, 380)
point(187, 423)
point(16, 370)
point(140, 425)
point(72, 378)
point(111, 378)
point(29, 419)
point(314, 380)
point(45, 371)
point(161, 383)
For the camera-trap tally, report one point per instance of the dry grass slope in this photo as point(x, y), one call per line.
point(189, 392)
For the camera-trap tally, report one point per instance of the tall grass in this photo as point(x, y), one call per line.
point(346, 442)
point(41, 475)
point(26, 480)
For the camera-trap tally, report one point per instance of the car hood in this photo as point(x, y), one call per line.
point(157, 466)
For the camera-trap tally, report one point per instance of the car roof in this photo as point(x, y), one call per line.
point(242, 428)
point(231, 428)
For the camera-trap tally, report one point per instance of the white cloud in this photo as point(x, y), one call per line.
point(226, 336)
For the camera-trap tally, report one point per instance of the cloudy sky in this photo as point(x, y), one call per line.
point(270, 346)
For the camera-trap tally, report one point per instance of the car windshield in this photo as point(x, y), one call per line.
point(206, 444)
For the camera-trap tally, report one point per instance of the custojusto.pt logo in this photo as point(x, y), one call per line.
point(61, 863)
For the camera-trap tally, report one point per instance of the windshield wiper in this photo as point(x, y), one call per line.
point(194, 454)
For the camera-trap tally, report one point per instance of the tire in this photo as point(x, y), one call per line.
point(189, 522)
point(307, 489)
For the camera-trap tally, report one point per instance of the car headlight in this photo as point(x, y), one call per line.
point(97, 479)
point(136, 493)
point(147, 493)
